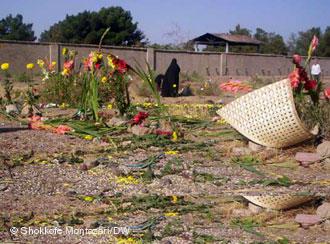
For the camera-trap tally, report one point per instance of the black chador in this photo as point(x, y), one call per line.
point(170, 84)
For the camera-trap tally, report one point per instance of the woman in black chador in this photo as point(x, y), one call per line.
point(170, 84)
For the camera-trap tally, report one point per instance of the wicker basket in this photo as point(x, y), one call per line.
point(267, 116)
point(278, 202)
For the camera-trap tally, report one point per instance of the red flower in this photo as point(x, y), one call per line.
point(327, 93)
point(97, 66)
point(121, 66)
point(139, 118)
point(310, 85)
point(294, 78)
point(315, 42)
point(163, 132)
point(296, 59)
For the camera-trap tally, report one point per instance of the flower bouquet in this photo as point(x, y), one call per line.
point(268, 116)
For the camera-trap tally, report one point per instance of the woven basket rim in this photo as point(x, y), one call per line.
point(286, 83)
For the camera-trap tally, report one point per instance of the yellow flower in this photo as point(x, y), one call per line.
point(110, 62)
point(127, 240)
point(88, 137)
point(41, 63)
point(30, 66)
point(88, 198)
point(65, 72)
point(64, 105)
point(127, 180)
point(5, 66)
point(221, 122)
point(53, 63)
point(174, 136)
point(171, 152)
point(174, 199)
point(99, 56)
point(109, 106)
point(171, 214)
point(65, 51)
point(104, 79)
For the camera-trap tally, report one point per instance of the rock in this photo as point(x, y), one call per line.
point(84, 167)
point(255, 209)
point(126, 143)
point(240, 151)
point(139, 130)
point(115, 121)
point(307, 157)
point(323, 211)
point(242, 212)
point(306, 220)
point(326, 225)
point(255, 147)
point(323, 149)
point(11, 109)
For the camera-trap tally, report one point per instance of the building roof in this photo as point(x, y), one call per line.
point(222, 38)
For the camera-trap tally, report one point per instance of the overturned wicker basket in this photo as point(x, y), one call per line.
point(267, 116)
point(279, 202)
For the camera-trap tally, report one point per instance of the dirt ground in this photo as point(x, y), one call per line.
point(192, 192)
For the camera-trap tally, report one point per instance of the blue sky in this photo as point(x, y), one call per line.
point(157, 18)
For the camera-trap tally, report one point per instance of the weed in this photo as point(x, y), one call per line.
point(173, 166)
point(173, 228)
point(247, 224)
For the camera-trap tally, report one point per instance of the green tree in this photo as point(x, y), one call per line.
point(304, 38)
point(324, 49)
point(13, 28)
point(88, 27)
point(240, 31)
point(272, 42)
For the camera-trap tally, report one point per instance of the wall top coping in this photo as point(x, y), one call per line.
point(145, 49)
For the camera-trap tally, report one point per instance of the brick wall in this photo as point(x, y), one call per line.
point(18, 54)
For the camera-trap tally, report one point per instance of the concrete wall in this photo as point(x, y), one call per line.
point(18, 54)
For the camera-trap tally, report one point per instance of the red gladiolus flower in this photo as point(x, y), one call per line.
point(163, 132)
point(139, 118)
point(296, 59)
point(97, 66)
point(315, 42)
point(327, 93)
point(294, 78)
point(310, 85)
point(121, 66)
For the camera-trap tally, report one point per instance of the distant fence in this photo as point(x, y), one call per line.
point(18, 54)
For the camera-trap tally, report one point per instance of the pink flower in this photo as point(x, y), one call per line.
point(294, 78)
point(327, 93)
point(310, 85)
point(62, 129)
point(315, 42)
point(68, 65)
point(296, 59)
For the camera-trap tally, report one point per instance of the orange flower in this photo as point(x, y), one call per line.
point(62, 129)
point(327, 93)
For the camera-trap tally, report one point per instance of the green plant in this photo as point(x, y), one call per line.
point(8, 84)
point(148, 78)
